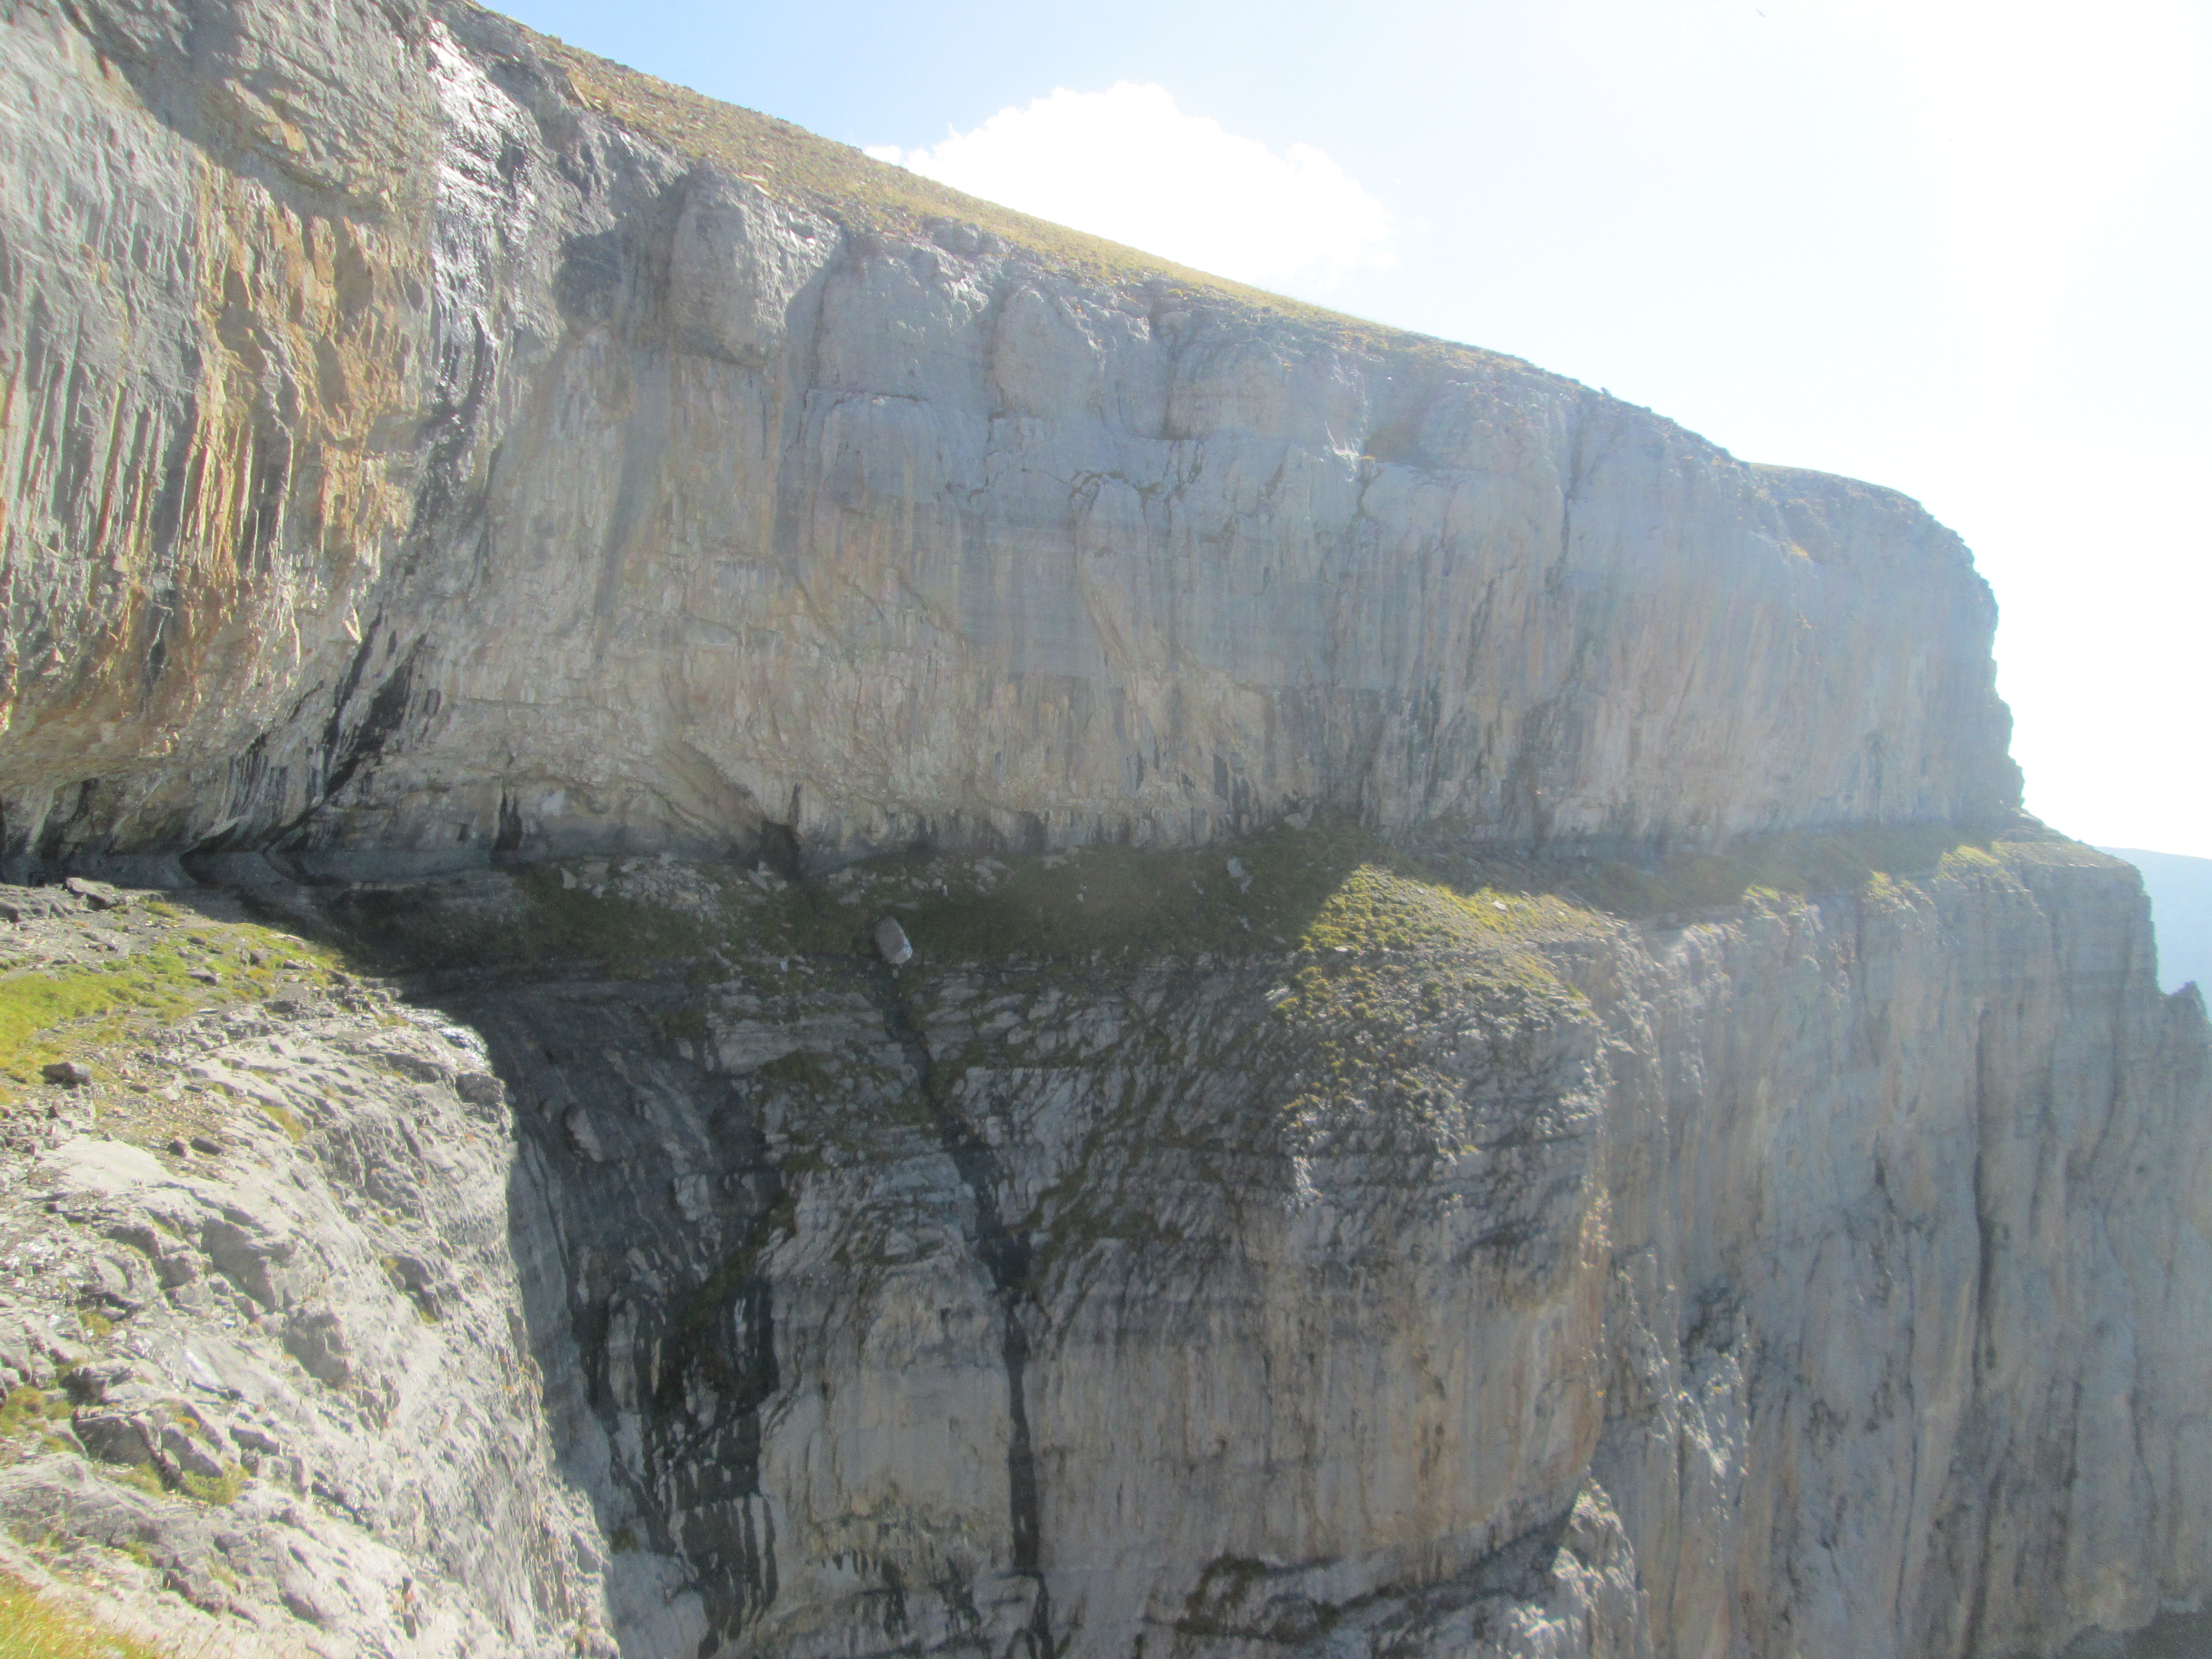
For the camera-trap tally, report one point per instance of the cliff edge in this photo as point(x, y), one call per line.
point(1311, 1253)
point(1477, 1060)
point(424, 441)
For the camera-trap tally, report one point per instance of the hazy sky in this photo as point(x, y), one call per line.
point(1964, 250)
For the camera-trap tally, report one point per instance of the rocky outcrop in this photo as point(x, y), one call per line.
point(268, 1388)
point(426, 442)
point(1799, 1280)
point(1329, 1258)
point(1242, 1179)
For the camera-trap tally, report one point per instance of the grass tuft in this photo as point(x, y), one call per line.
point(218, 1489)
point(145, 1477)
point(29, 1409)
point(286, 1120)
point(72, 1011)
point(32, 1626)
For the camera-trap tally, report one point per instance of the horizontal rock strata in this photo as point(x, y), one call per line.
point(409, 459)
point(1335, 1258)
point(1018, 1037)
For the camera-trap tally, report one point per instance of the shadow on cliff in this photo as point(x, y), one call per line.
point(1287, 889)
point(648, 1156)
point(2170, 1635)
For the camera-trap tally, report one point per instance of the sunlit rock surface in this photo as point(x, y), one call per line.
point(1330, 1210)
point(404, 457)
point(1334, 1258)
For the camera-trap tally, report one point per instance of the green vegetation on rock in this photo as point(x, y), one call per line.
point(60, 1010)
point(863, 194)
point(27, 1409)
point(1334, 886)
point(1793, 865)
point(36, 1626)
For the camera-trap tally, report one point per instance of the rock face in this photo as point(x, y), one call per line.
point(1451, 1268)
point(268, 1385)
point(1800, 1281)
point(1252, 1181)
point(2180, 889)
point(426, 442)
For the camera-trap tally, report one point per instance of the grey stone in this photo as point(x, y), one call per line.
point(108, 1281)
point(187, 1454)
point(426, 453)
point(250, 1439)
point(480, 1089)
point(1456, 1273)
point(1389, 566)
point(21, 904)
point(92, 1383)
point(114, 1437)
point(893, 944)
point(97, 893)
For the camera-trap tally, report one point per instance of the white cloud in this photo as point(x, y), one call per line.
point(1127, 164)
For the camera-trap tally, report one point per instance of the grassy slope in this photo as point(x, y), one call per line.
point(33, 1627)
point(855, 190)
point(61, 1010)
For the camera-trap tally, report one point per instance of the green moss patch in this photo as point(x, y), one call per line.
point(1378, 907)
point(212, 1489)
point(1791, 865)
point(28, 1410)
point(33, 1627)
point(51, 1011)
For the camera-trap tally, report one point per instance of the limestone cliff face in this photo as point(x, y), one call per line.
point(269, 1388)
point(1824, 1277)
point(1391, 1233)
point(423, 441)
point(1429, 1268)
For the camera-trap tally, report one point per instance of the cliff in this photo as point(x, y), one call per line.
point(1487, 1066)
point(1770, 1255)
point(425, 441)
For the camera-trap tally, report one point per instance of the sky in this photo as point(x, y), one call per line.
point(1964, 250)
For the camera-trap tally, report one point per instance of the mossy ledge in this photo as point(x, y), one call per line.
point(1330, 887)
point(130, 972)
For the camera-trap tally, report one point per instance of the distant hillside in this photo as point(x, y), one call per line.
point(2181, 906)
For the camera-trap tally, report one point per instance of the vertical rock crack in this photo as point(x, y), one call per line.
point(1006, 1254)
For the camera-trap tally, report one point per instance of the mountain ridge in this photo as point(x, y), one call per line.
point(499, 403)
point(863, 946)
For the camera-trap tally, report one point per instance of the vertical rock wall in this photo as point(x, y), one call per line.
point(1816, 1276)
point(424, 445)
point(1419, 1267)
point(428, 443)
point(1935, 1296)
